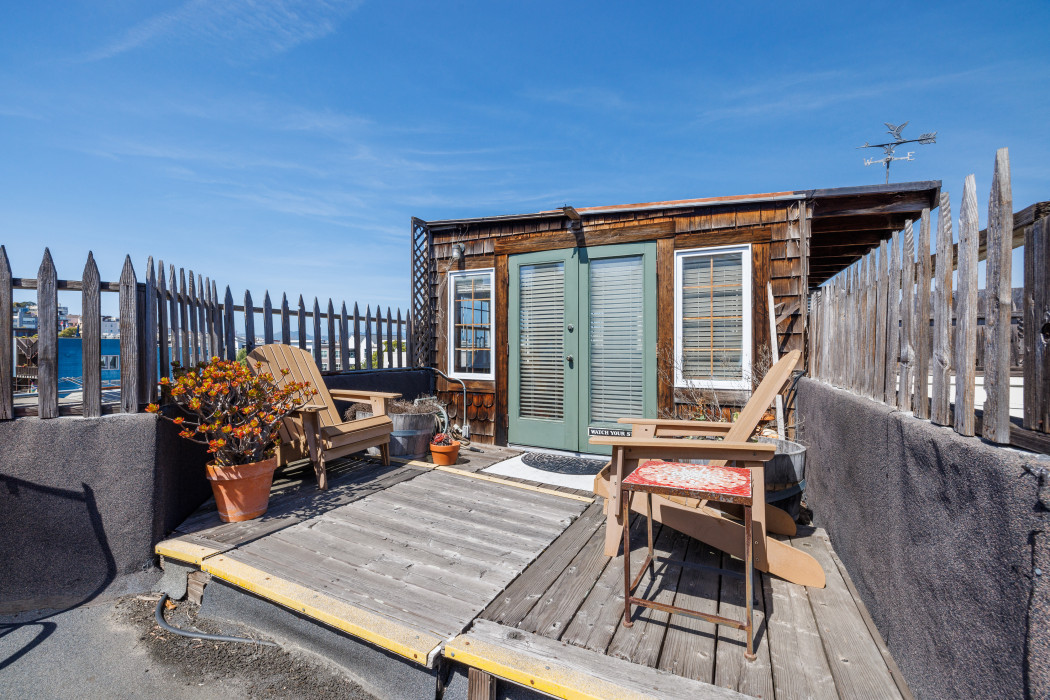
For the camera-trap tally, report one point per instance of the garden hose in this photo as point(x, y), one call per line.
point(159, 615)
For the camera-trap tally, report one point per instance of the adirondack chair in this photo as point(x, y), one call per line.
point(708, 522)
point(317, 430)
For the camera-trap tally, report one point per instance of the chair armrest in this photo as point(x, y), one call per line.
point(665, 427)
point(672, 448)
point(378, 399)
point(359, 394)
point(671, 423)
point(309, 408)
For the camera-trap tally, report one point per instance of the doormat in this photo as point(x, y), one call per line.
point(563, 464)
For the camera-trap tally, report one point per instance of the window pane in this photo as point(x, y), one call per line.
point(712, 316)
point(471, 336)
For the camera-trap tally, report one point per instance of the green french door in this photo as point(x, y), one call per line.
point(582, 343)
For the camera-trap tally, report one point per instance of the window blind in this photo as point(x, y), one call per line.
point(712, 316)
point(617, 372)
point(542, 341)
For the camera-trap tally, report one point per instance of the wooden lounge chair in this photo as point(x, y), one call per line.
point(317, 430)
point(708, 522)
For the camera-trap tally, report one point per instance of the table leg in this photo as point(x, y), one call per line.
point(749, 594)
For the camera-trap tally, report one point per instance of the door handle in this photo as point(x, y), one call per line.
point(568, 358)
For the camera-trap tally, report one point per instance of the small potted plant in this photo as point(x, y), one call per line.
point(444, 450)
point(238, 415)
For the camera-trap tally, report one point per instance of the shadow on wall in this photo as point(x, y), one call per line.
point(79, 537)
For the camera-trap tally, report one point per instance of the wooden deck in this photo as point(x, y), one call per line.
point(509, 575)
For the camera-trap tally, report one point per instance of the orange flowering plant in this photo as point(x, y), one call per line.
point(235, 413)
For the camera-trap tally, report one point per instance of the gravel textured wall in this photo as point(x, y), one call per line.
point(946, 539)
point(83, 501)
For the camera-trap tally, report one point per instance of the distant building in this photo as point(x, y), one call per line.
point(110, 327)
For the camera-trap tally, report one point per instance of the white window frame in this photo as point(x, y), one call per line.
point(451, 345)
point(745, 361)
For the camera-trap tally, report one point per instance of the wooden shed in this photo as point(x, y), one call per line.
point(560, 321)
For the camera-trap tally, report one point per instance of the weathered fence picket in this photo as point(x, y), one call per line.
point(904, 389)
point(889, 326)
point(148, 387)
point(389, 340)
point(332, 340)
point(368, 337)
point(893, 315)
point(47, 334)
point(249, 322)
point(301, 324)
point(344, 344)
point(91, 340)
point(995, 425)
point(195, 330)
point(940, 405)
point(267, 319)
point(357, 337)
point(317, 334)
point(922, 320)
point(7, 365)
point(163, 329)
point(966, 312)
point(286, 322)
point(129, 346)
point(1036, 323)
point(228, 327)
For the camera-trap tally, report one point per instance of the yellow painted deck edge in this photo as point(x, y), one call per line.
point(184, 551)
point(544, 676)
point(494, 479)
point(393, 636)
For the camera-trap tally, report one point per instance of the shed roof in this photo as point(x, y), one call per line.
point(847, 221)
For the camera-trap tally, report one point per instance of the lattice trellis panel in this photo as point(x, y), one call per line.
point(422, 283)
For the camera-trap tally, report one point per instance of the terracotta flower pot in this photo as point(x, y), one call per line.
point(242, 492)
point(445, 455)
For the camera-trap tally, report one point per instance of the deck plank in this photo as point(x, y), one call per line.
point(689, 646)
point(485, 497)
point(509, 528)
point(424, 569)
point(566, 671)
point(418, 537)
point(553, 612)
point(506, 544)
point(520, 597)
point(732, 670)
point(853, 656)
point(601, 613)
point(800, 668)
point(641, 642)
point(418, 608)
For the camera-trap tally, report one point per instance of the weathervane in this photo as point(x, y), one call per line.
point(895, 132)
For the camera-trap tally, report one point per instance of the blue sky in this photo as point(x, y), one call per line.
point(284, 145)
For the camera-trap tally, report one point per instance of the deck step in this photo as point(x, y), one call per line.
point(567, 671)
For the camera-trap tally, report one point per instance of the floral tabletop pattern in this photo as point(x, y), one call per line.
point(731, 481)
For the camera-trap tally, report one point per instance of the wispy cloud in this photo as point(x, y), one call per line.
point(258, 28)
point(795, 94)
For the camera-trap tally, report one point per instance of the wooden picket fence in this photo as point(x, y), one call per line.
point(881, 327)
point(180, 318)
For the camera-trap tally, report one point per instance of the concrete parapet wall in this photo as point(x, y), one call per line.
point(944, 537)
point(83, 501)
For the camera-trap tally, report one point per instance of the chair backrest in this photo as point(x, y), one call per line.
point(774, 381)
point(301, 368)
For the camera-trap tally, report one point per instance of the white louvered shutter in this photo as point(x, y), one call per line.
point(617, 339)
